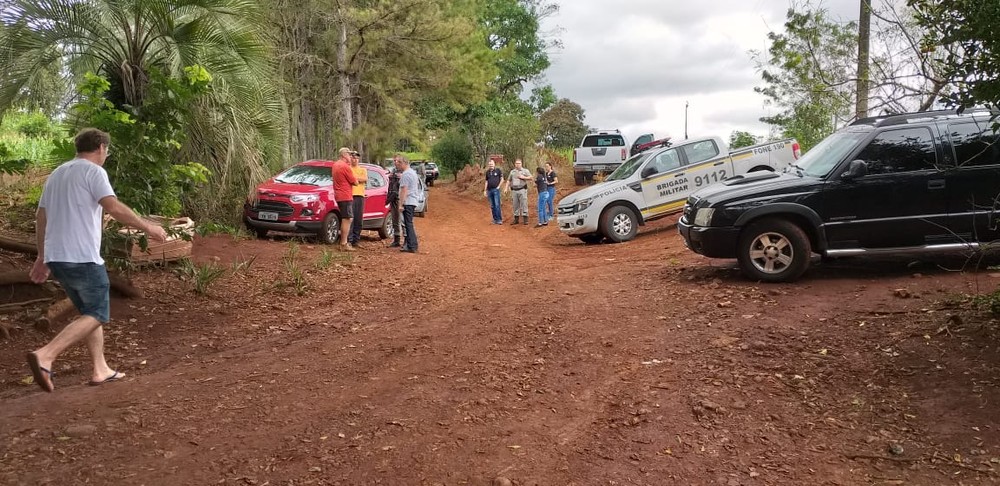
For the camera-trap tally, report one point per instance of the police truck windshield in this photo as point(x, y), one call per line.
point(628, 168)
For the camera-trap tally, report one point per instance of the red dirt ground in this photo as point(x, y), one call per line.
point(518, 353)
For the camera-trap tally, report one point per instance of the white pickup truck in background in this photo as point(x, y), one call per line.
point(600, 152)
point(657, 182)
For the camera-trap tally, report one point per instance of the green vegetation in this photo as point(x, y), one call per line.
point(202, 276)
point(453, 151)
point(739, 139)
point(963, 34)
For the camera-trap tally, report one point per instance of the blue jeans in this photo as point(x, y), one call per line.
point(552, 202)
point(87, 286)
point(494, 196)
point(410, 241)
point(543, 202)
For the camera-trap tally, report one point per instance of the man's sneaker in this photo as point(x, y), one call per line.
point(516, 220)
point(525, 222)
point(395, 244)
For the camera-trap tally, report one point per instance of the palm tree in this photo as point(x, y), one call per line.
point(237, 130)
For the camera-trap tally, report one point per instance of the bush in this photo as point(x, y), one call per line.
point(453, 151)
point(146, 141)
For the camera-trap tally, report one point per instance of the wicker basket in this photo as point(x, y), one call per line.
point(175, 248)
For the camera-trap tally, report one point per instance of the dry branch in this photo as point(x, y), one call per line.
point(21, 305)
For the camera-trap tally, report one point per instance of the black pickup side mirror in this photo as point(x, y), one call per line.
point(648, 172)
point(857, 168)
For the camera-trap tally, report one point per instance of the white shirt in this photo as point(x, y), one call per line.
point(410, 181)
point(73, 213)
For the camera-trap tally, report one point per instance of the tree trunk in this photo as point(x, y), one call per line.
point(864, 42)
point(346, 93)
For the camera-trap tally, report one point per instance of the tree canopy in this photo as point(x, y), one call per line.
point(965, 32)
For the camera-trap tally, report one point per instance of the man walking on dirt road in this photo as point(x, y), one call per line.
point(517, 182)
point(68, 229)
point(494, 177)
point(409, 193)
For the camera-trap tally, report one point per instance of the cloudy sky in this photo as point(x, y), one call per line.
point(632, 64)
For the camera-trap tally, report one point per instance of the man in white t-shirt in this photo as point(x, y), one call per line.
point(68, 230)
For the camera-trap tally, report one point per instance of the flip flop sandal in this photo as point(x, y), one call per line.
point(37, 373)
point(114, 377)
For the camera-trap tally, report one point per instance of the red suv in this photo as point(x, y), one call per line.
point(300, 200)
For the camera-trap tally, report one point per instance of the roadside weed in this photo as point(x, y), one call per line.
point(243, 266)
point(203, 275)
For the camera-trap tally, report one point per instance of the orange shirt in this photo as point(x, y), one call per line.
point(360, 173)
point(343, 181)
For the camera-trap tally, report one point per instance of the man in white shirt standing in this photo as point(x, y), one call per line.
point(410, 195)
point(68, 230)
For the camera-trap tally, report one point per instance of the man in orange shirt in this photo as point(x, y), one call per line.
point(343, 192)
point(361, 175)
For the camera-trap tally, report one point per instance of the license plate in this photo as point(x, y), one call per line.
point(267, 216)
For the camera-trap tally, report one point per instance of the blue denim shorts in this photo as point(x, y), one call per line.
point(87, 285)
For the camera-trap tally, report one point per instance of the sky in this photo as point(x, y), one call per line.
point(632, 64)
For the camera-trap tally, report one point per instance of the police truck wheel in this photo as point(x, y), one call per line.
point(329, 233)
point(619, 224)
point(387, 229)
point(579, 179)
point(773, 250)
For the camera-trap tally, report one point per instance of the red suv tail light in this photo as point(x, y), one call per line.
point(796, 150)
point(574, 156)
point(623, 154)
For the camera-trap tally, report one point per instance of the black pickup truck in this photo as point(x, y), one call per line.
point(925, 182)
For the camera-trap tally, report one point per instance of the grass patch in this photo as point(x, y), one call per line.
point(202, 276)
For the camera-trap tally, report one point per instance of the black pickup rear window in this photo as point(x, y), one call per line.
point(603, 141)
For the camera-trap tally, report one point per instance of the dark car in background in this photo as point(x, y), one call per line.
point(428, 171)
point(431, 173)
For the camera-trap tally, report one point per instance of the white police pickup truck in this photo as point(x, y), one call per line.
point(657, 182)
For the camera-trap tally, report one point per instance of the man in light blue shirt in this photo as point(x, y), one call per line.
point(410, 194)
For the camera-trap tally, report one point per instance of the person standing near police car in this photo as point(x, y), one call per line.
point(494, 177)
point(517, 183)
point(551, 180)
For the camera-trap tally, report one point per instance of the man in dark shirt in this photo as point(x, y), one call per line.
point(492, 190)
point(392, 200)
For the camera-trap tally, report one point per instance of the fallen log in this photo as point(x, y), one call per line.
point(53, 314)
point(17, 246)
point(118, 282)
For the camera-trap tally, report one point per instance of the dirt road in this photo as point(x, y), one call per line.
point(515, 352)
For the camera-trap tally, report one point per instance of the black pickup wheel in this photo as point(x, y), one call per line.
point(773, 250)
